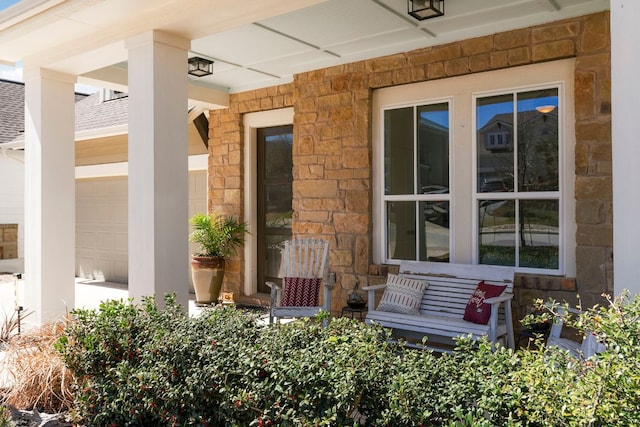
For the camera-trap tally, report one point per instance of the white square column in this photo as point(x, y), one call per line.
point(50, 198)
point(158, 168)
point(625, 93)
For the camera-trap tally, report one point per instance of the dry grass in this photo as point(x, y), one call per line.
point(39, 379)
point(10, 325)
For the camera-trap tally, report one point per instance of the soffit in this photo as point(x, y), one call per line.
point(264, 44)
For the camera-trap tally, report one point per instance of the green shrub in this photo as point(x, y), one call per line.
point(144, 366)
point(601, 391)
point(138, 365)
point(306, 374)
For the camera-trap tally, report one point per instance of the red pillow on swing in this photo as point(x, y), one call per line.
point(478, 311)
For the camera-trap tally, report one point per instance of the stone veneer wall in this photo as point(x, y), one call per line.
point(8, 241)
point(332, 148)
point(226, 161)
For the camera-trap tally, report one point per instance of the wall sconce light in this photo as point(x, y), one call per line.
point(425, 9)
point(200, 67)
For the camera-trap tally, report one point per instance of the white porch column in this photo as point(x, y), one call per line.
point(625, 93)
point(50, 198)
point(158, 170)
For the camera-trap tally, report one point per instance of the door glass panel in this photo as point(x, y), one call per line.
point(401, 230)
point(538, 140)
point(539, 234)
point(275, 177)
point(398, 151)
point(494, 118)
point(497, 232)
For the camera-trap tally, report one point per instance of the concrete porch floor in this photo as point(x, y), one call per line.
point(88, 294)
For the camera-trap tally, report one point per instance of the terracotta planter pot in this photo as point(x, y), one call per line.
point(207, 274)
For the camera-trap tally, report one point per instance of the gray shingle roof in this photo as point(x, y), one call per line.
point(11, 110)
point(91, 112)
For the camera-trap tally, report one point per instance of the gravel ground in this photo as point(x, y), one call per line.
point(37, 419)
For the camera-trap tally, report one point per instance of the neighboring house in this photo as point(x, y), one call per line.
point(400, 147)
point(11, 178)
point(101, 181)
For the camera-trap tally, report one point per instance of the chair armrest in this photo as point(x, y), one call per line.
point(276, 290)
point(499, 299)
point(273, 285)
point(374, 287)
point(493, 320)
point(371, 294)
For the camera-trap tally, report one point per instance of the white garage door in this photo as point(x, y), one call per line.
point(101, 224)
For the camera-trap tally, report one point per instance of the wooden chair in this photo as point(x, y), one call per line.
point(304, 270)
point(587, 348)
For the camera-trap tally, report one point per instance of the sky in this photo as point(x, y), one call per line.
point(15, 74)
point(11, 73)
point(6, 3)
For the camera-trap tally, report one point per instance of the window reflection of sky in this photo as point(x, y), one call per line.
point(439, 117)
point(487, 112)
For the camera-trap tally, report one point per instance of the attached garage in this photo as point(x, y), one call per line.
point(101, 224)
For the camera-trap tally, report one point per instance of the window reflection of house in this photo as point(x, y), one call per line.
point(537, 152)
point(495, 154)
point(521, 228)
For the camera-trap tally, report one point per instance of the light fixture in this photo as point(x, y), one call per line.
point(425, 9)
point(545, 109)
point(200, 67)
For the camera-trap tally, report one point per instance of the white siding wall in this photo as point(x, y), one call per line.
point(12, 206)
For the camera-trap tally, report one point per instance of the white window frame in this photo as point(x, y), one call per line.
point(462, 92)
point(521, 195)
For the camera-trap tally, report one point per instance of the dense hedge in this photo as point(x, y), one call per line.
point(137, 365)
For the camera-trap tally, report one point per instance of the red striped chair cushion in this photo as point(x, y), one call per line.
point(301, 292)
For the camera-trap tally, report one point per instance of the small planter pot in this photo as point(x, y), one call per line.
point(207, 274)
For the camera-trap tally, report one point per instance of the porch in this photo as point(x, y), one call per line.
point(337, 169)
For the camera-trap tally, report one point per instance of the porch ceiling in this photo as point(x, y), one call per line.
point(254, 45)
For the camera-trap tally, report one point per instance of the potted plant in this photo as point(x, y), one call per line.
point(218, 237)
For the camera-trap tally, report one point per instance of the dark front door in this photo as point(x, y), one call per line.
point(275, 177)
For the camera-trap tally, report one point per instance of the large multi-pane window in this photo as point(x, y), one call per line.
point(478, 169)
point(416, 182)
point(517, 175)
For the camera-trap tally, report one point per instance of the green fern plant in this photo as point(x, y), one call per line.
point(218, 236)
